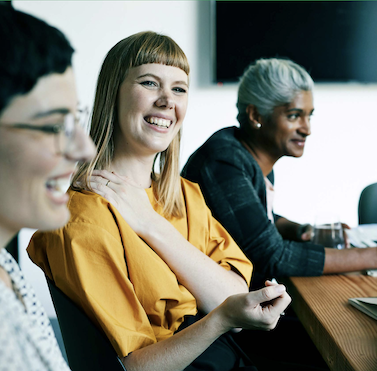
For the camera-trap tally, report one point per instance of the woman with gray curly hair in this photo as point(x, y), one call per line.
point(234, 168)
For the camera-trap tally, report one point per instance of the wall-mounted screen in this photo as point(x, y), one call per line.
point(336, 41)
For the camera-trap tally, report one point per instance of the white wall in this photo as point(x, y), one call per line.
point(339, 159)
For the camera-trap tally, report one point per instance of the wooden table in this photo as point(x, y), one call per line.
point(346, 337)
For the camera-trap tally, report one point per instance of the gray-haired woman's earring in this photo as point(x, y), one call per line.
point(258, 125)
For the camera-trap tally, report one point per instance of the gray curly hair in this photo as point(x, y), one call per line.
point(269, 83)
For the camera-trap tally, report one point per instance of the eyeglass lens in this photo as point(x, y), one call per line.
point(66, 137)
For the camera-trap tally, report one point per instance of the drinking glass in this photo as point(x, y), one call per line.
point(328, 231)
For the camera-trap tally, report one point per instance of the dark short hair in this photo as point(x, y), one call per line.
point(30, 49)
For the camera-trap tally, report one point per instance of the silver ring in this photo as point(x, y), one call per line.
point(107, 183)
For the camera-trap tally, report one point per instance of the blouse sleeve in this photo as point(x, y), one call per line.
point(222, 249)
point(89, 253)
point(207, 234)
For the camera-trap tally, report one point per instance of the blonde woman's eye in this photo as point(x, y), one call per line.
point(149, 83)
point(180, 90)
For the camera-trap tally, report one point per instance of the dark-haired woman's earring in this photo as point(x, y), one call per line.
point(258, 125)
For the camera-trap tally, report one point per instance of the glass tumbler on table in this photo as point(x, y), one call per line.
point(328, 231)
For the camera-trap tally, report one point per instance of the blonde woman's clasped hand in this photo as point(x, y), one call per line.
point(256, 310)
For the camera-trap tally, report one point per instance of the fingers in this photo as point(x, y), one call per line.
point(274, 297)
point(101, 184)
point(99, 180)
point(278, 305)
point(307, 233)
point(307, 236)
point(105, 174)
point(271, 282)
point(271, 292)
point(268, 304)
point(104, 181)
point(258, 310)
point(116, 178)
point(347, 243)
point(99, 187)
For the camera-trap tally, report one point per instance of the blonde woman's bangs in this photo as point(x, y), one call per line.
point(162, 50)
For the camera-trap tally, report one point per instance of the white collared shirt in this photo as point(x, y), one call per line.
point(270, 192)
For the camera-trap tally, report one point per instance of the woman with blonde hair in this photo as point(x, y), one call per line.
point(141, 253)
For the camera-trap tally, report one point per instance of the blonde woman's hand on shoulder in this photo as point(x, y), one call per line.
point(131, 201)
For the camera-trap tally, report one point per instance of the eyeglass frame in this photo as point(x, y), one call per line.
point(56, 129)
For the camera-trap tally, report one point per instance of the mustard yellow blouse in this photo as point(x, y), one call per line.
point(118, 280)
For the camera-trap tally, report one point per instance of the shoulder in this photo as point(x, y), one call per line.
point(221, 148)
point(91, 214)
point(193, 197)
point(225, 138)
point(190, 189)
point(85, 205)
point(92, 209)
point(94, 224)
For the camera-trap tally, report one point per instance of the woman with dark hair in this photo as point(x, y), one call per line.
point(40, 143)
point(142, 254)
point(234, 169)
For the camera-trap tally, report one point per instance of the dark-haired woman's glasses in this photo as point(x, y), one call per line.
point(64, 132)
